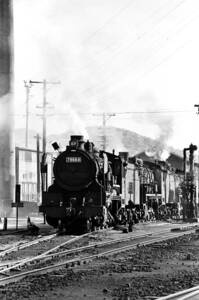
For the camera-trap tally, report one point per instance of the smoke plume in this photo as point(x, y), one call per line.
point(162, 124)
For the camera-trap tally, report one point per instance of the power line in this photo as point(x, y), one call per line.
point(116, 53)
point(112, 74)
point(140, 36)
point(155, 52)
point(109, 20)
point(112, 113)
point(164, 60)
point(128, 112)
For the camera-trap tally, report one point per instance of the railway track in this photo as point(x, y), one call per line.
point(22, 245)
point(51, 253)
point(102, 248)
point(188, 294)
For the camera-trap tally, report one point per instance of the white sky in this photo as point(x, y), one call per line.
point(110, 56)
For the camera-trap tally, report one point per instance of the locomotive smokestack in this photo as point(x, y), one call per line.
point(76, 141)
point(77, 138)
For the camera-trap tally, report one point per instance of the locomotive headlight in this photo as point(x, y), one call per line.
point(74, 144)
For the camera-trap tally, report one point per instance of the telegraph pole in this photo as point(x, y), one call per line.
point(38, 166)
point(44, 107)
point(44, 117)
point(104, 131)
point(197, 180)
point(27, 87)
point(106, 117)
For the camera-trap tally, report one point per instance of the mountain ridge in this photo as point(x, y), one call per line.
point(116, 138)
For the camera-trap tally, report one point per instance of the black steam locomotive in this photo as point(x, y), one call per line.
point(93, 188)
point(84, 179)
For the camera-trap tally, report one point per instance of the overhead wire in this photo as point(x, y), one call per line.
point(112, 75)
point(97, 114)
point(163, 60)
point(109, 45)
point(129, 3)
point(154, 12)
point(118, 51)
point(118, 13)
point(158, 49)
point(127, 112)
point(156, 112)
point(152, 15)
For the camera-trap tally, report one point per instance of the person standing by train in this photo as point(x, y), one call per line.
point(155, 209)
point(146, 213)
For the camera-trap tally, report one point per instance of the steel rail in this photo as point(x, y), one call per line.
point(40, 256)
point(182, 295)
point(106, 243)
point(68, 251)
point(86, 259)
point(23, 245)
point(9, 246)
point(45, 256)
point(145, 243)
point(79, 249)
point(95, 245)
point(16, 264)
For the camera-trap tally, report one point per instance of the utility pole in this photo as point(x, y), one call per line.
point(197, 179)
point(106, 117)
point(44, 117)
point(38, 167)
point(27, 87)
point(44, 107)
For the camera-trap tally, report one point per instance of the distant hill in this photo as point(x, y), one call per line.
point(116, 138)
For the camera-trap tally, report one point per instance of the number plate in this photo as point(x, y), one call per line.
point(73, 159)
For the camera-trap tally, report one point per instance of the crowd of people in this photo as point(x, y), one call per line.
point(133, 213)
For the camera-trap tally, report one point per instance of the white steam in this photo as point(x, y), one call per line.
point(164, 155)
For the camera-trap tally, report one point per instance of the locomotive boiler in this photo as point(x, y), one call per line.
point(84, 179)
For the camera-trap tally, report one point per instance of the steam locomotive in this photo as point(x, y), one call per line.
point(84, 179)
point(93, 188)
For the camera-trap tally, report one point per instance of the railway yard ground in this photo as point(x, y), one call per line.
point(145, 270)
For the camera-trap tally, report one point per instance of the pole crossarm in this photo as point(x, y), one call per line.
point(197, 105)
point(44, 106)
point(106, 117)
point(42, 82)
